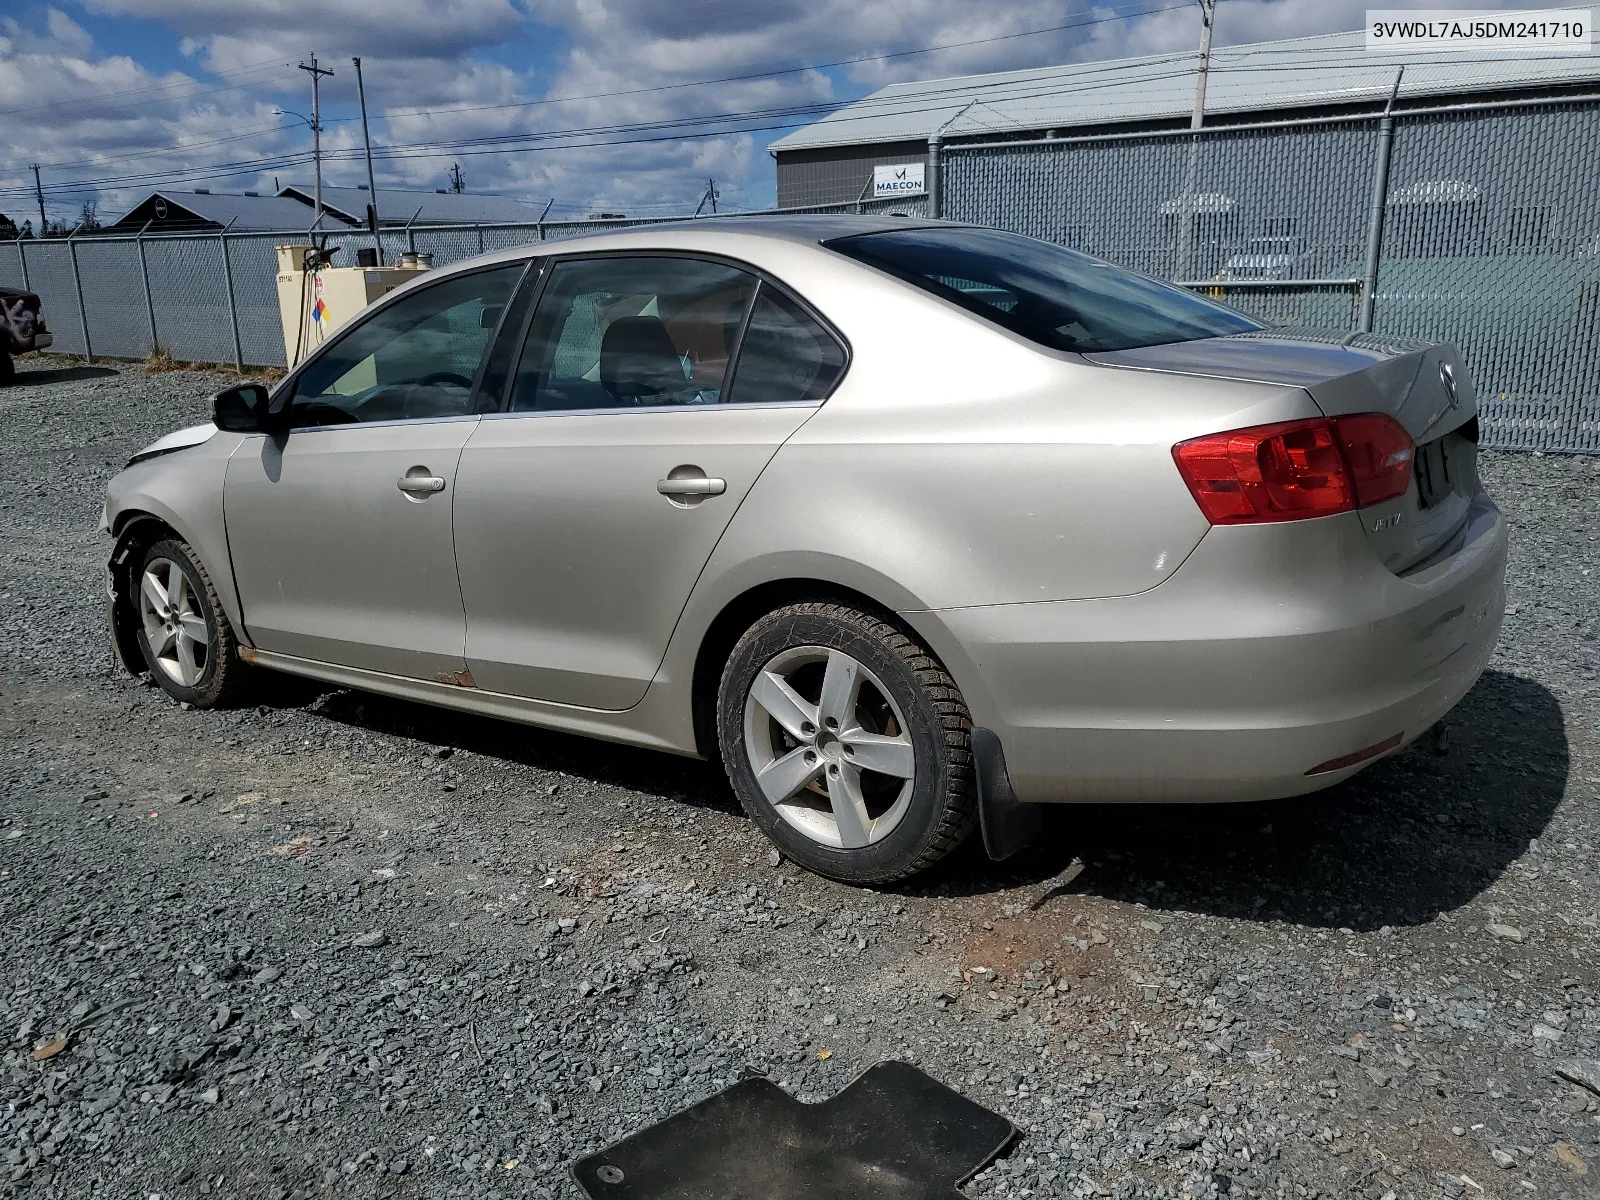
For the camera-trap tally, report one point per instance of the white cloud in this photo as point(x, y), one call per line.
point(625, 61)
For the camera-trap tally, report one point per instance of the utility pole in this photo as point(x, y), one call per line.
point(1187, 214)
point(1208, 14)
point(316, 73)
point(456, 185)
point(38, 193)
point(709, 196)
point(366, 138)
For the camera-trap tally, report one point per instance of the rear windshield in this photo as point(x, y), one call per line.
point(1050, 295)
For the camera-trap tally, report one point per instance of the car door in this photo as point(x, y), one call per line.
point(650, 393)
point(339, 527)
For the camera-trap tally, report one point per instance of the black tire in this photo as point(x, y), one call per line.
point(8, 369)
point(942, 806)
point(222, 677)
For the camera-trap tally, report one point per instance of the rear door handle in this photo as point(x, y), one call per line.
point(702, 486)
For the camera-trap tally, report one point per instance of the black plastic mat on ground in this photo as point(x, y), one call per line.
point(892, 1134)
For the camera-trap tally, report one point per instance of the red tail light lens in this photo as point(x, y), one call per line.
point(1296, 469)
point(1379, 451)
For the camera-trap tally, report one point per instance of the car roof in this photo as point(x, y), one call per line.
point(809, 229)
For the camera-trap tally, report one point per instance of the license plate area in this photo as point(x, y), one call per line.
point(1431, 465)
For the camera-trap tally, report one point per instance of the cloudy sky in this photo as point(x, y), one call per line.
point(636, 101)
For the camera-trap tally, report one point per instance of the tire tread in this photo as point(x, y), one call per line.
point(959, 805)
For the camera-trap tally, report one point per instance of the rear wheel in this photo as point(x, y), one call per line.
point(847, 742)
point(184, 635)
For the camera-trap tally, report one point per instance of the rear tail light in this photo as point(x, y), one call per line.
point(1296, 469)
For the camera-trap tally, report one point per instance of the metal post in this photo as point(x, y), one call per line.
point(233, 308)
point(22, 257)
point(480, 238)
point(77, 286)
point(933, 182)
point(149, 301)
point(1380, 198)
point(411, 237)
point(545, 214)
point(861, 199)
point(366, 140)
point(1208, 13)
point(1186, 208)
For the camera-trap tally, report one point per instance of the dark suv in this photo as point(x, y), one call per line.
point(22, 329)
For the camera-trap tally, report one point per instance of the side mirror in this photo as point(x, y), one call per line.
point(241, 409)
point(490, 316)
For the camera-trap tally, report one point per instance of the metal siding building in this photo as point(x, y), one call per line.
point(1468, 214)
point(830, 161)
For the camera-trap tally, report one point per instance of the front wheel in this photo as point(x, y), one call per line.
point(847, 742)
point(184, 635)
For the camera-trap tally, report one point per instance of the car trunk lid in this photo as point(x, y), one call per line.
point(1421, 385)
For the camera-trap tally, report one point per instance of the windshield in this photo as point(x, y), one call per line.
point(1048, 294)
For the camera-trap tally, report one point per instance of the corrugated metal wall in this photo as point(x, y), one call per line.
point(838, 176)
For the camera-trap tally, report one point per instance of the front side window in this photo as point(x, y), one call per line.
point(1044, 292)
point(632, 332)
point(414, 359)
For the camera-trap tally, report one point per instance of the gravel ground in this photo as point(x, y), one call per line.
point(339, 945)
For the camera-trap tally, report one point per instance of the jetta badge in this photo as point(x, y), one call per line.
point(1447, 376)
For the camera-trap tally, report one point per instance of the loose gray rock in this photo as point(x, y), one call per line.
point(1286, 963)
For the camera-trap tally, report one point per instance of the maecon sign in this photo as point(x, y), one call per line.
point(901, 179)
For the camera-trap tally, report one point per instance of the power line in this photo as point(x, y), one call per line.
point(396, 114)
point(1113, 74)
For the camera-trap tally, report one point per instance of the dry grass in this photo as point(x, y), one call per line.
point(161, 362)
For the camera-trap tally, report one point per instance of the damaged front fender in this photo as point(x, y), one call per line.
point(122, 614)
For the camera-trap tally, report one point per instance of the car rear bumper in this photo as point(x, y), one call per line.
point(1271, 651)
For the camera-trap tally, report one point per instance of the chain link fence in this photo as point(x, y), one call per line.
point(1490, 239)
point(1490, 234)
point(213, 297)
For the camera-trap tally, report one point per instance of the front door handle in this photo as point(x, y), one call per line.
point(418, 482)
point(693, 486)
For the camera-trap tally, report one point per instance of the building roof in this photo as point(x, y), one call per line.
point(397, 207)
point(1327, 70)
point(221, 210)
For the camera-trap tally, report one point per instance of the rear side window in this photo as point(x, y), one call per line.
point(632, 332)
point(1050, 295)
point(786, 357)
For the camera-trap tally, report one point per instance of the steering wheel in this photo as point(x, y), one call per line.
point(443, 377)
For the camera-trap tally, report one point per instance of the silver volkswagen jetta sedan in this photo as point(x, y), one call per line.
point(908, 523)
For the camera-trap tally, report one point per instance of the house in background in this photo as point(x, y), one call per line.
point(204, 211)
point(396, 208)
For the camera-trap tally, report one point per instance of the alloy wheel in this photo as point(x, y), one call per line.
point(174, 622)
point(829, 747)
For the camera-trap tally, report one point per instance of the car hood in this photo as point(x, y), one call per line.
point(179, 439)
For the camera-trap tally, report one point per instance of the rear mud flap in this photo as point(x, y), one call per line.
point(1008, 824)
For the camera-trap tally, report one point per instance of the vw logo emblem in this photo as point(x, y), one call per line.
point(1447, 376)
